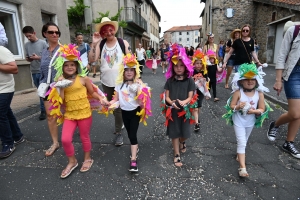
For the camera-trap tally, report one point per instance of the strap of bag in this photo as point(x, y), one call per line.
point(246, 51)
point(50, 64)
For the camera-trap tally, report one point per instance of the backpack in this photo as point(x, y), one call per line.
point(120, 41)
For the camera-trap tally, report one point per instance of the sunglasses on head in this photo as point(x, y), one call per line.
point(52, 32)
point(245, 30)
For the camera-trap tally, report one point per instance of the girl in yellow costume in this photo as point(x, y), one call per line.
point(133, 97)
point(74, 88)
point(201, 80)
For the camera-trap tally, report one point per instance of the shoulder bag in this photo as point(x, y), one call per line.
point(43, 87)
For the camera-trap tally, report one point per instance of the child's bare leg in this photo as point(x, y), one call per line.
point(196, 114)
point(134, 149)
point(175, 143)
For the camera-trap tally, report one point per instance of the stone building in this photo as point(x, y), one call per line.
point(185, 35)
point(15, 14)
point(141, 16)
point(267, 18)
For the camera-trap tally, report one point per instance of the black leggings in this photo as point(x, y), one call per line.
point(131, 122)
point(213, 86)
point(142, 64)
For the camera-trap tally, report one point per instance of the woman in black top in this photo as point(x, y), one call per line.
point(243, 48)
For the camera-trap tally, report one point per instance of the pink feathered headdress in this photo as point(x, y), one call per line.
point(178, 53)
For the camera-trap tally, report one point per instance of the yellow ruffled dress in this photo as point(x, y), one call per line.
point(76, 101)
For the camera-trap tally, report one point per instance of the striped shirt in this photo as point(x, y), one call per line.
point(45, 61)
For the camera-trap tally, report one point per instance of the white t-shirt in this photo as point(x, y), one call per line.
point(248, 120)
point(126, 97)
point(7, 82)
point(140, 54)
point(111, 59)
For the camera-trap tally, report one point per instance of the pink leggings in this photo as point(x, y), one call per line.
point(68, 130)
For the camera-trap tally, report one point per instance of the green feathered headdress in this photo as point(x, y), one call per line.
point(68, 53)
point(248, 71)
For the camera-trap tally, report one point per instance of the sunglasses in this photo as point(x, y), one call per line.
point(52, 32)
point(245, 30)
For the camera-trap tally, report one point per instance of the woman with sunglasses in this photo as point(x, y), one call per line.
point(243, 48)
point(51, 32)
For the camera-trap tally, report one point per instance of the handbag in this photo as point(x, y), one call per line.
point(250, 60)
point(43, 87)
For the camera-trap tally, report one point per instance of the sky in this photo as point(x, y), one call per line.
point(178, 13)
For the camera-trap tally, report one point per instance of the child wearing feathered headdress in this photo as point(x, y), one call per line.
point(246, 108)
point(212, 70)
point(74, 88)
point(201, 79)
point(178, 100)
point(133, 97)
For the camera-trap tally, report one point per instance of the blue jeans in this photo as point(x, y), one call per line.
point(36, 81)
point(292, 85)
point(9, 128)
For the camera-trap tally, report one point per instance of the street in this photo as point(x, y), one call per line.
point(209, 169)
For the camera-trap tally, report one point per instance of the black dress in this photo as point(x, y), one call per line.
point(179, 89)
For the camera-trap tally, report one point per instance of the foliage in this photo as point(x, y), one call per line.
point(122, 23)
point(76, 16)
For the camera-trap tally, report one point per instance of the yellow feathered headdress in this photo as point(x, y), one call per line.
point(129, 61)
point(199, 55)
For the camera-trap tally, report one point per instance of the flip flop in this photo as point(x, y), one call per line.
point(177, 161)
point(183, 149)
point(226, 86)
point(51, 150)
point(91, 161)
point(216, 99)
point(69, 171)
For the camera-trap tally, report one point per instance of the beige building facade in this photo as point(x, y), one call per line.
point(15, 14)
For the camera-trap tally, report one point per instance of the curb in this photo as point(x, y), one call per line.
point(283, 104)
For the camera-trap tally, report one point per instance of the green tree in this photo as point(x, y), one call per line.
point(76, 16)
point(122, 23)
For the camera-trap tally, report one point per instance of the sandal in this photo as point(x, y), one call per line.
point(177, 161)
point(67, 171)
point(226, 86)
point(243, 172)
point(183, 149)
point(51, 150)
point(85, 169)
point(216, 99)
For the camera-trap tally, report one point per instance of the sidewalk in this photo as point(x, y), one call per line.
point(269, 83)
point(26, 103)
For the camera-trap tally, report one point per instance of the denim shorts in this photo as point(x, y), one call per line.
point(230, 62)
point(292, 85)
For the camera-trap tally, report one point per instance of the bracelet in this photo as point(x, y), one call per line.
point(234, 108)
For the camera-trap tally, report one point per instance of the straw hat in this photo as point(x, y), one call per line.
point(105, 21)
point(233, 32)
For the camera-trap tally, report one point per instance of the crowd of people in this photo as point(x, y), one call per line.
point(60, 74)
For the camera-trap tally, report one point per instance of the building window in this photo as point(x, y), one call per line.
point(10, 20)
point(146, 8)
point(187, 33)
point(187, 39)
point(179, 39)
point(196, 32)
point(47, 18)
point(273, 16)
point(196, 40)
point(179, 33)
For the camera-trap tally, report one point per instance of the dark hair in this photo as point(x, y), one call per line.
point(45, 28)
point(27, 29)
point(78, 34)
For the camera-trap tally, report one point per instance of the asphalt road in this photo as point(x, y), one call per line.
point(210, 170)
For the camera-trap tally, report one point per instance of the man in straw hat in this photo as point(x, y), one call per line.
point(110, 50)
point(10, 132)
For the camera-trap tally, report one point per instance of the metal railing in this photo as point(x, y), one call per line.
point(131, 15)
